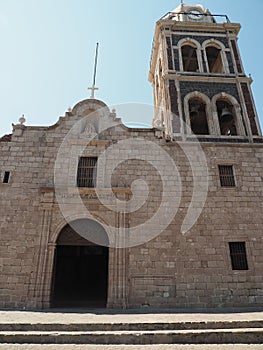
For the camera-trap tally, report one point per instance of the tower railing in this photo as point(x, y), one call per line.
point(172, 15)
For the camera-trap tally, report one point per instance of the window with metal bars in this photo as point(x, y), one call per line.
point(238, 255)
point(226, 175)
point(87, 172)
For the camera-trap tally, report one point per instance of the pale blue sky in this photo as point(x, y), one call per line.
point(47, 52)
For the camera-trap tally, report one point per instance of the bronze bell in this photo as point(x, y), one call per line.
point(193, 112)
point(226, 116)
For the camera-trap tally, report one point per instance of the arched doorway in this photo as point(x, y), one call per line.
point(80, 273)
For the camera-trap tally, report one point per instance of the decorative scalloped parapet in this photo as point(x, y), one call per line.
point(6, 138)
point(96, 117)
point(86, 106)
point(87, 120)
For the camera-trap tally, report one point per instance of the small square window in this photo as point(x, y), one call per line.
point(6, 177)
point(87, 172)
point(226, 175)
point(238, 255)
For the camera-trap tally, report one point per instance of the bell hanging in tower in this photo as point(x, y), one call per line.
point(226, 116)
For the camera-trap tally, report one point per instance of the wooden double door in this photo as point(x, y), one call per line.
point(80, 276)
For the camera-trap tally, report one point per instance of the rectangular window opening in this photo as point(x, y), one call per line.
point(6, 177)
point(238, 255)
point(226, 174)
point(87, 172)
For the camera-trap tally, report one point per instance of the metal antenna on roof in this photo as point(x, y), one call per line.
point(93, 88)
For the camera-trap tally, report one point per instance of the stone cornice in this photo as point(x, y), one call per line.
point(91, 142)
point(85, 190)
point(209, 79)
point(199, 26)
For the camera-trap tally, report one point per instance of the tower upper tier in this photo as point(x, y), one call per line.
point(198, 79)
point(190, 13)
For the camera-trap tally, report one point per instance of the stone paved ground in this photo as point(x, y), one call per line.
point(130, 347)
point(127, 316)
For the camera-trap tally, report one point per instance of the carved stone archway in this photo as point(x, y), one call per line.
point(80, 271)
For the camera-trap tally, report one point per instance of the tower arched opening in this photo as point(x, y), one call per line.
point(198, 117)
point(226, 117)
point(214, 59)
point(189, 57)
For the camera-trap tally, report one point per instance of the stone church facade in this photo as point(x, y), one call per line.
point(96, 214)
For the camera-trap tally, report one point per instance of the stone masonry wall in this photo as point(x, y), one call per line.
point(196, 267)
point(170, 270)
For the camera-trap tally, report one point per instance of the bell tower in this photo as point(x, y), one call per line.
point(199, 84)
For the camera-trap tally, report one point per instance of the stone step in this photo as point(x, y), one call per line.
point(127, 326)
point(130, 347)
point(198, 336)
